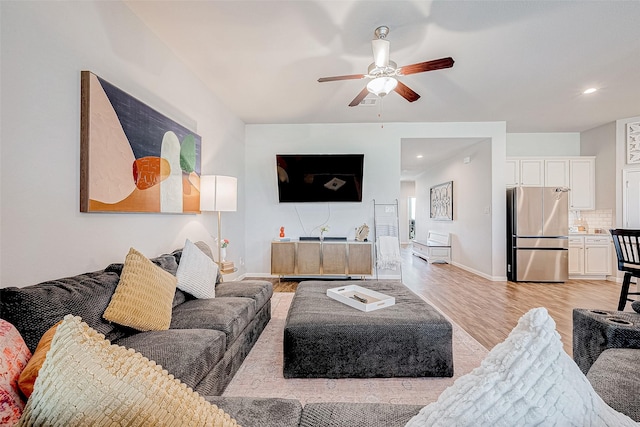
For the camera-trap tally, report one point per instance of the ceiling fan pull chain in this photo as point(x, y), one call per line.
point(381, 98)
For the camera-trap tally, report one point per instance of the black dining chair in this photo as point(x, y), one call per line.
point(627, 244)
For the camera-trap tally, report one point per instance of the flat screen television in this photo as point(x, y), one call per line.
point(319, 177)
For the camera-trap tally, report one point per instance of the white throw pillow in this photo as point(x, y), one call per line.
point(196, 272)
point(527, 380)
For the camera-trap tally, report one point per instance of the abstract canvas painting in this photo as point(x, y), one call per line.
point(441, 198)
point(133, 158)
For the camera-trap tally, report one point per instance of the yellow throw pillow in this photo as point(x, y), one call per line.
point(87, 381)
point(30, 372)
point(142, 300)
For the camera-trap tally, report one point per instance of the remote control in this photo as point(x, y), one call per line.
point(359, 298)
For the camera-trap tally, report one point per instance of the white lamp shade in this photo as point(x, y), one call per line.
point(207, 192)
point(218, 193)
point(226, 193)
point(382, 85)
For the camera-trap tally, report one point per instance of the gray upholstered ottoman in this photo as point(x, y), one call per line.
point(594, 331)
point(324, 338)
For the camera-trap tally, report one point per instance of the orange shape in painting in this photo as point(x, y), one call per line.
point(149, 171)
point(138, 201)
point(149, 200)
point(191, 193)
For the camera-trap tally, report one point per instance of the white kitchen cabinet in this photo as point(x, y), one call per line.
point(589, 257)
point(556, 172)
point(577, 173)
point(532, 172)
point(524, 172)
point(576, 255)
point(597, 255)
point(582, 182)
point(512, 173)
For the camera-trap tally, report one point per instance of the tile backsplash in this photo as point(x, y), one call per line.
point(602, 218)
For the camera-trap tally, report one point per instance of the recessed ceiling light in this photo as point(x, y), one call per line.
point(419, 156)
point(590, 90)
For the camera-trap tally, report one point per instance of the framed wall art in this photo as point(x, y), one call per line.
point(441, 201)
point(133, 158)
point(633, 142)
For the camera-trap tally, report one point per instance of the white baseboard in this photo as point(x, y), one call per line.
point(381, 276)
point(259, 275)
point(303, 277)
point(479, 273)
point(584, 277)
point(464, 267)
point(388, 277)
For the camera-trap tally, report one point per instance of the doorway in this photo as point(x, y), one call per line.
point(631, 198)
point(412, 218)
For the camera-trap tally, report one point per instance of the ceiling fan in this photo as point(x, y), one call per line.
point(383, 72)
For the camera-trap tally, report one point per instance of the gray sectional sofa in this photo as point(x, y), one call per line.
point(205, 345)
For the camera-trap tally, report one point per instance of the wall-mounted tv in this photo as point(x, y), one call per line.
point(319, 177)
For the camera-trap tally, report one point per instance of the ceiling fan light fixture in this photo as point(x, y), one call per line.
point(381, 86)
point(382, 72)
point(380, 49)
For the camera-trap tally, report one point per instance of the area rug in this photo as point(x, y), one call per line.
point(261, 373)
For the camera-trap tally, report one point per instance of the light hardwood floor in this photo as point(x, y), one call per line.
point(489, 310)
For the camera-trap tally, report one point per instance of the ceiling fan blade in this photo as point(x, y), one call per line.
point(335, 78)
point(380, 52)
point(436, 64)
point(358, 99)
point(406, 92)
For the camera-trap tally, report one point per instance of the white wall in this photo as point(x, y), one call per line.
point(601, 142)
point(543, 144)
point(471, 227)
point(407, 190)
point(621, 164)
point(381, 146)
point(44, 46)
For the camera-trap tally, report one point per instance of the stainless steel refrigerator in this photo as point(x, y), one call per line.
point(537, 234)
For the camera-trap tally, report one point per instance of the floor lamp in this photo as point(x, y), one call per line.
point(218, 193)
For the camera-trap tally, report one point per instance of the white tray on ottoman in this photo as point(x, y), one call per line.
point(349, 295)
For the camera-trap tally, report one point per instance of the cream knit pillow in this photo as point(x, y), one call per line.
point(527, 380)
point(87, 381)
point(196, 272)
point(142, 300)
